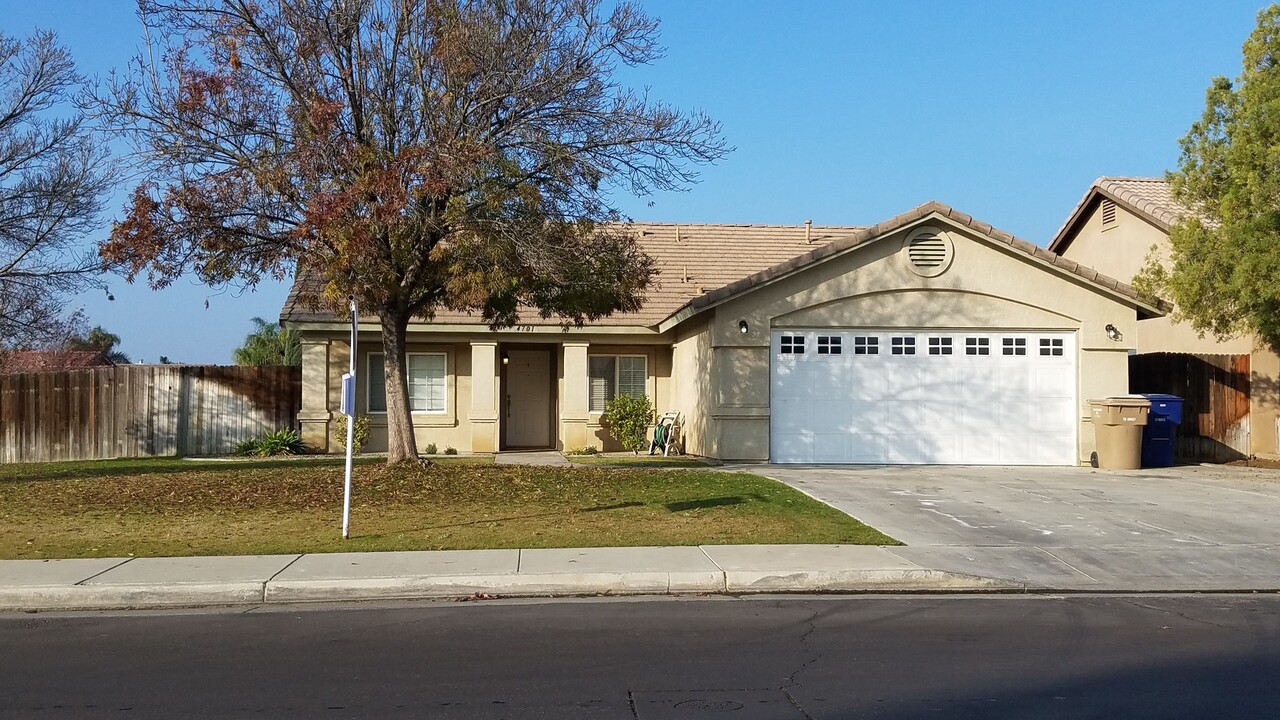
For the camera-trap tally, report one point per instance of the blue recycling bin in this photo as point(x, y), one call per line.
point(1160, 433)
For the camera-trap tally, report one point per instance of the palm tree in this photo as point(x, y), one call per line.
point(269, 344)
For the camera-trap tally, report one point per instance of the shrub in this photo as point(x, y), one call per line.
point(430, 449)
point(628, 420)
point(588, 450)
point(284, 441)
point(451, 451)
point(359, 440)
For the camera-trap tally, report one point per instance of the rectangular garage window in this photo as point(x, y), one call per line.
point(866, 345)
point(939, 346)
point(977, 346)
point(792, 344)
point(1051, 346)
point(828, 344)
point(903, 345)
point(1015, 346)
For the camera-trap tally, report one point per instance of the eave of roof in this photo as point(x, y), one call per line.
point(1108, 187)
point(1108, 285)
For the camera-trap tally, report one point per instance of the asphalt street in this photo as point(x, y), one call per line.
point(789, 658)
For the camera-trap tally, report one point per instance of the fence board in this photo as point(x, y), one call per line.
point(1215, 389)
point(143, 410)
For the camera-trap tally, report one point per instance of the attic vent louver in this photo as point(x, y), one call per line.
point(1108, 211)
point(929, 251)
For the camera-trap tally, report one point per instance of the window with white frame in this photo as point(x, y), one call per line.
point(427, 375)
point(613, 375)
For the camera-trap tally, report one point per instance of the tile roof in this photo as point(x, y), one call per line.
point(1147, 197)
point(919, 213)
point(701, 265)
point(35, 361)
point(691, 259)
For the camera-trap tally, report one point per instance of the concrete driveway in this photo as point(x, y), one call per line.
point(1214, 525)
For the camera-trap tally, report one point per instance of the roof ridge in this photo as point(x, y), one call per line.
point(799, 226)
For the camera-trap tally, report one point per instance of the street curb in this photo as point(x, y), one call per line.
point(281, 592)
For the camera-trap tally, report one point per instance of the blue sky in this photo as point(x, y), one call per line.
point(842, 112)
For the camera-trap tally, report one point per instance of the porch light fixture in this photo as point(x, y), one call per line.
point(742, 327)
point(1113, 333)
point(506, 359)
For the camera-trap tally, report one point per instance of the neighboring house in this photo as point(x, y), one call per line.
point(1114, 228)
point(929, 338)
point(37, 361)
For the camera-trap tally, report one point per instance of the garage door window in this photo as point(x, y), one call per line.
point(977, 346)
point(903, 345)
point(1014, 346)
point(939, 346)
point(792, 345)
point(1051, 346)
point(866, 345)
point(828, 344)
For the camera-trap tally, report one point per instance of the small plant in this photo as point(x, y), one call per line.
point(430, 449)
point(284, 441)
point(359, 440)
point(628, 419)
point(588, 450)
point(451, 451)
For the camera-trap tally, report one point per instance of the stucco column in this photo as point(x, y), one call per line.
point(573, 405)
point(484, 396)
point(313, 416)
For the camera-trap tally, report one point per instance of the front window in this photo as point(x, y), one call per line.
point(613, 375)
point(427, 375)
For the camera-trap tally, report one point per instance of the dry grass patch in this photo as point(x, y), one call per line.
point(150, 508)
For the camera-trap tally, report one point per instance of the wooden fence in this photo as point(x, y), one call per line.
point(1215, 416)
point(143, 410)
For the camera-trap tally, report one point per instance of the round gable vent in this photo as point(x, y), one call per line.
point(929, 251)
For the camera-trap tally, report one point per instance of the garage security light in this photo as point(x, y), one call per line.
point(1113, 333)
point(742, 326)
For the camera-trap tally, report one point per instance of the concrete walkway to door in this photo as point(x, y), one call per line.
point(1209, 527)
point(539, 458)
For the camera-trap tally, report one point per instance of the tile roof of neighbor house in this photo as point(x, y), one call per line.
point(703, 265)
point(1148, 198)
point(36, 361)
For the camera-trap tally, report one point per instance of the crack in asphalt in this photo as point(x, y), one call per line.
point(1178, 613)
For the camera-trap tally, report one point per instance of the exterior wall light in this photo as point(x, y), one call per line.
point(742, 327)
point(506, 359)
point(1113, 333)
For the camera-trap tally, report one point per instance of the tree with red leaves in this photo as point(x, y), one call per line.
point(418, 154)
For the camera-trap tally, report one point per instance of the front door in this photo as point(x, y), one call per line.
point(528, 390)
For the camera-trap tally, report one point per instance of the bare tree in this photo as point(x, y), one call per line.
point(419, 154)
point(53, 181)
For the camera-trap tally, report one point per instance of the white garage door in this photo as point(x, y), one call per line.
point(923, 397)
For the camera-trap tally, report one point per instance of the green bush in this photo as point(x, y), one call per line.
point(358, 441)
point(451, 451)
point(284, 441)
point(588, 450)
point(628, 419)
point(430, 449)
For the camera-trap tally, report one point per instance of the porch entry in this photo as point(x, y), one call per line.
point(528, 398)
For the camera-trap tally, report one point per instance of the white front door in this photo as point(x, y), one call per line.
point(920, 396)
point(528, 390)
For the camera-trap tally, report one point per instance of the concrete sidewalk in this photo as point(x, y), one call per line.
point(111, 583)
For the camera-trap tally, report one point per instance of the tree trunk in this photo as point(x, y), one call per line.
point(401, 445)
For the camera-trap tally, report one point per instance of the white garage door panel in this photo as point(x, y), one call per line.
point(1006, 398)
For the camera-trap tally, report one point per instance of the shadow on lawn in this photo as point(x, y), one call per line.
point(671, 507)
point(158, 466)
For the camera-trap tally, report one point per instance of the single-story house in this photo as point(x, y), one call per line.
point(1114, 228)
point(928, 338)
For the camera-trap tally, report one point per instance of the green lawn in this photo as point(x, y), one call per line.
point(157, 507)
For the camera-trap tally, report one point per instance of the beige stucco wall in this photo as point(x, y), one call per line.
point(988, 286)
point(1120, 250)
point(691, 381)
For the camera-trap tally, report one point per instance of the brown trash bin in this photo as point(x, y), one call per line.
point(1117, 426)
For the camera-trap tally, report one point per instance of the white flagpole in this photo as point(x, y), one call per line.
point(351, 427)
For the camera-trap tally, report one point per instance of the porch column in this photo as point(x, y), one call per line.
point(313, 416)
point(573, 408)
point(484, 396)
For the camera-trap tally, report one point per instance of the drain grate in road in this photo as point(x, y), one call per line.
point(721, 704)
